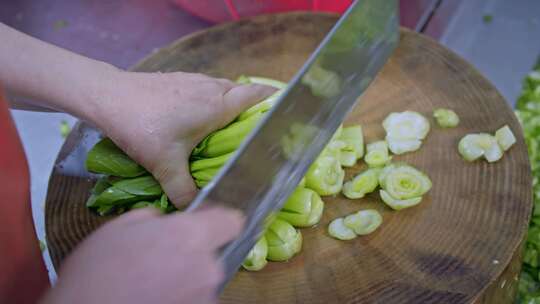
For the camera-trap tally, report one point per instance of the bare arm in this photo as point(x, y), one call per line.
point(156, 118)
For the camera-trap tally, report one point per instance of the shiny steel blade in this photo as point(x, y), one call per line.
point(276, 155)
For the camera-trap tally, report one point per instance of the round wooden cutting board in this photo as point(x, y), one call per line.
point(448, 249)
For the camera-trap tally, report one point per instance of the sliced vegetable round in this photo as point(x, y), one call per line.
point(338, 230)
point(397, 204)
point(400, 146)
point(403, 182)
point(283, 241)
point(406, 125)
point(377, 154)
point(354, 140)
point(303, 208)
point(505, 137)
point(363, 222)
point(363, 183)
point(325, 176)
point(473, 146)
point(256, 258)
point(446, 118)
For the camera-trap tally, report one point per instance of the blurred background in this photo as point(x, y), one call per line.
point(501, 38)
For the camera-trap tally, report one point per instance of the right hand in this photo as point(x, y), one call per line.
point(143, 257)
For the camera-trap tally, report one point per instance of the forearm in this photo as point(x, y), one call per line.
point(53, 77)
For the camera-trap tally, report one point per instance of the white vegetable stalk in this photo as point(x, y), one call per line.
point(405, 131)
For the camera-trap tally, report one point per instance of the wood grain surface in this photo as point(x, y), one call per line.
point(449, 249)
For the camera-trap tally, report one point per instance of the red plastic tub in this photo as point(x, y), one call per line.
point(226, 10)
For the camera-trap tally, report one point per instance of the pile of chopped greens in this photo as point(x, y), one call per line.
point(528, 112)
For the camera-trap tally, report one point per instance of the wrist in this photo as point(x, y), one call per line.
point(97, 93)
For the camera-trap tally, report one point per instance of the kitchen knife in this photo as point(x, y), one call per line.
point(276, 155)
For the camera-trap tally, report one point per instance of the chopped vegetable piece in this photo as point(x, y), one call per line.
point(106, 158)
point(405, 130)
point(354, 140)
point(505, 138)
point(377, 154)
point(322, 82)
point(406, 125)
point(487, 18)
point(473, 146)
point(397, 204)
point(338, 230)
point(325, 176)
point(283, 241)
point(400, 146)
point(402, 181)
point(298, 137)
point(363, 222)
point(333, 149)
point(256, 258)
point(347, 158)
point(303, 208)
point(64, 128)
point(365, 182)
point(446, 118)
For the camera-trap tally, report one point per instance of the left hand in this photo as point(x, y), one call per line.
point(157, 119)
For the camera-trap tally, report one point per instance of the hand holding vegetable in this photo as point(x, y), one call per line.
point(145, 258)
point(159, 118)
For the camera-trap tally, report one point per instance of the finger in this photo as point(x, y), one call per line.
point(217, 225)
point(241, 97)
point(137, 216)
point(173, 176)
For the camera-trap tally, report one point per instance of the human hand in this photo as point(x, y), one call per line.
point(157, 119)
point(143, 257)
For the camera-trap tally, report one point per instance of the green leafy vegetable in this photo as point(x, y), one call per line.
point(528, 112)
point(106, 158)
